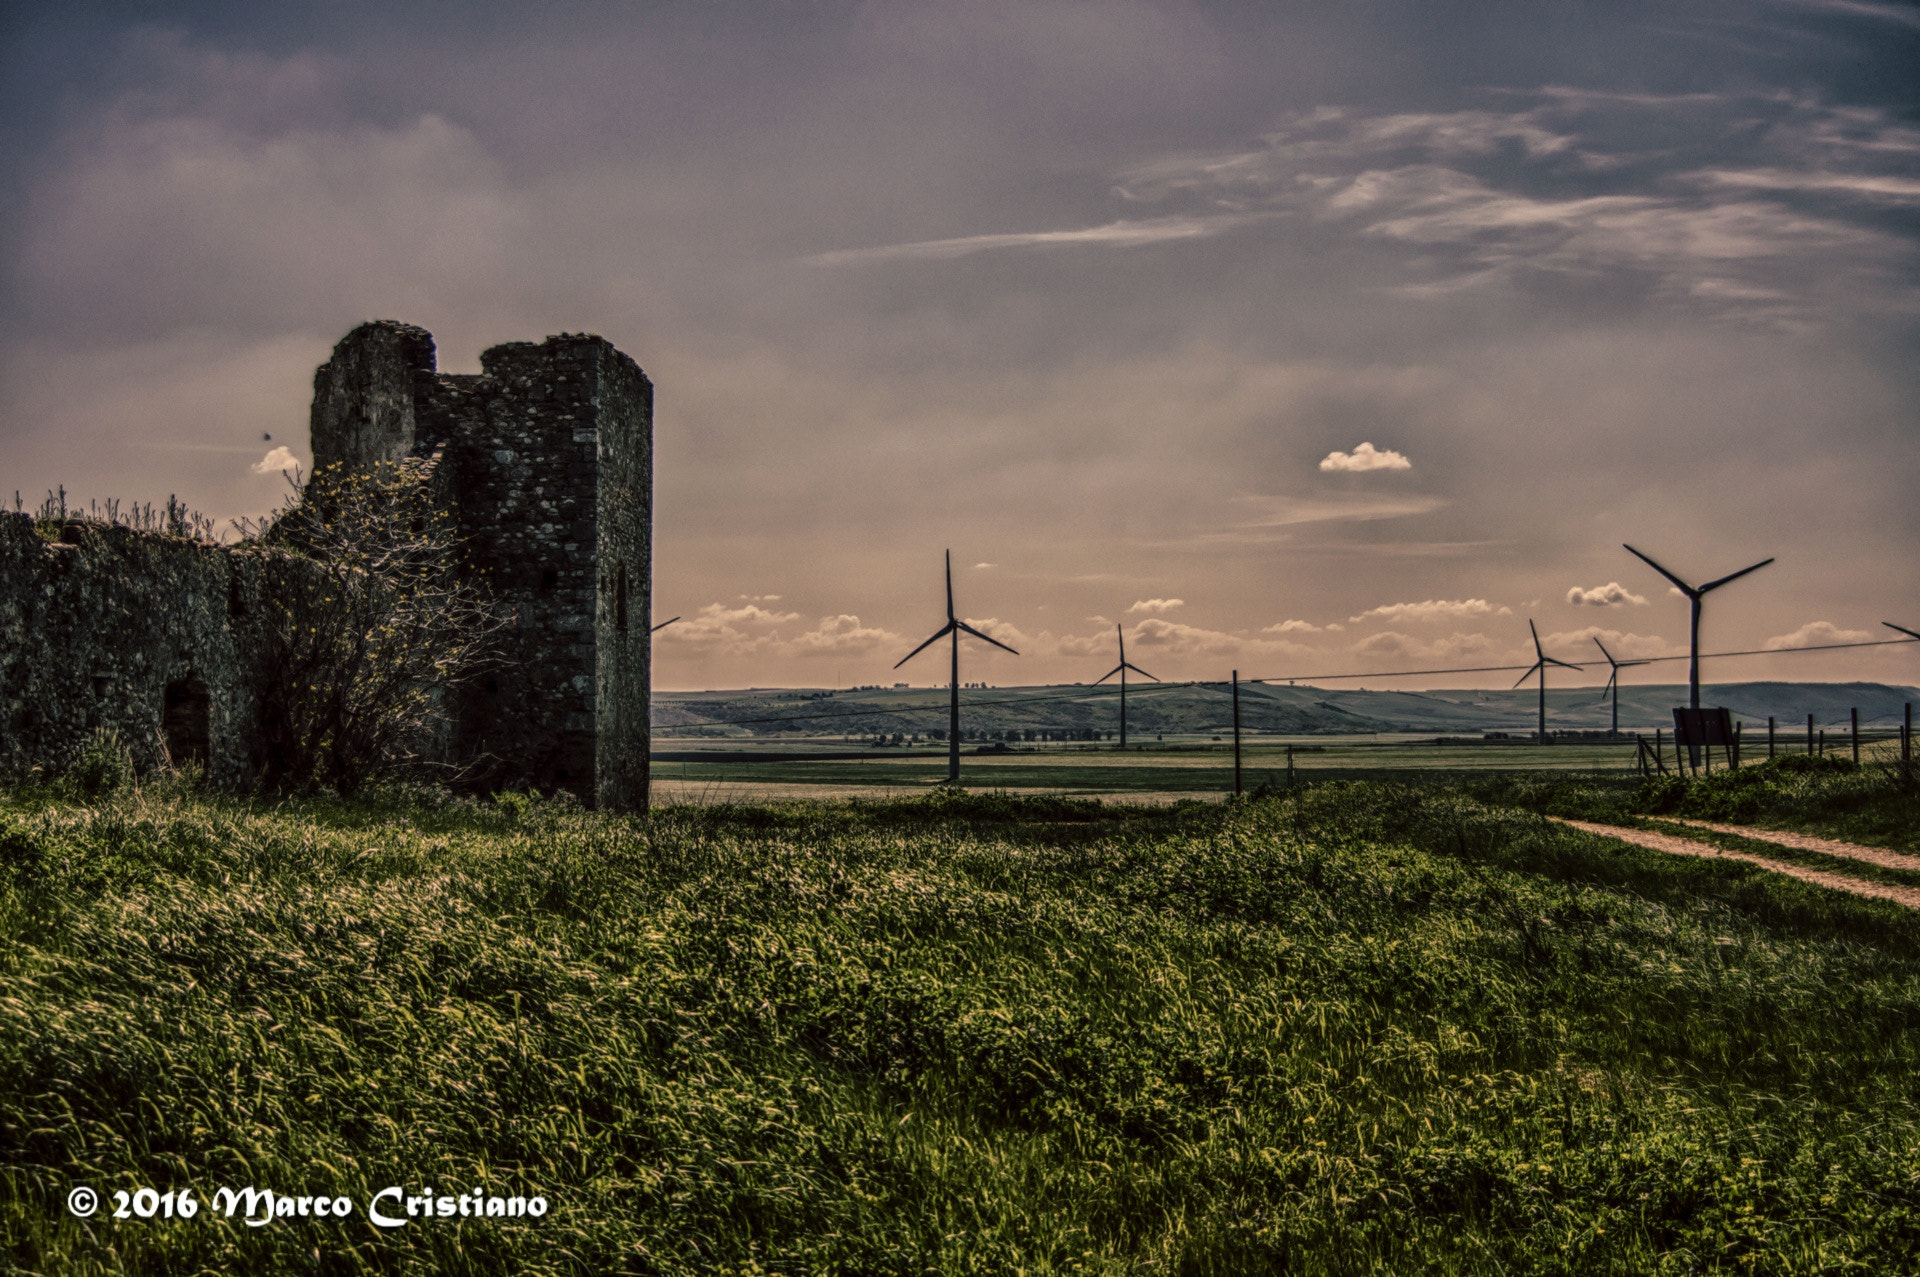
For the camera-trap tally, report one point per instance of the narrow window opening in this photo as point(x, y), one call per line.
point(186, 721)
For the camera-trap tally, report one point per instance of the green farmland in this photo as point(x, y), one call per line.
point(1360, 1027)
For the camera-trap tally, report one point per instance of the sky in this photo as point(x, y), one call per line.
point(1301, 340)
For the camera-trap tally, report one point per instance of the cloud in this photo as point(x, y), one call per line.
point(1157, 605)
point(1453, 647)
point(278, 461)
point(1365, 457)
point(978, 566)
point(1624, 645)
point(1612, 594)
point(761, 598)
point(1297, 627)
point(1172, 638)
point(1430, 610)
point(844, 633)
point(1779, 198)
point(1117, 234)
point(1814, 633)
point(1359, 508)
point(750, 629)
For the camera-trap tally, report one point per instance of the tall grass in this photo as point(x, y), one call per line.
point(1362, 1030)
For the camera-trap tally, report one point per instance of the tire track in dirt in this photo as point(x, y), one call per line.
point(1808, 842)
point(1676, 845)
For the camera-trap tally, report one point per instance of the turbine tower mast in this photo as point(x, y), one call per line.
point(1613, 680)
point(954, 627)
point(1121, 669)
point(1541, 661)
point(1694, 594)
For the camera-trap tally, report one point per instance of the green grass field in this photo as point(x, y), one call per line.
point(1362, 1028)
point(1191, 766)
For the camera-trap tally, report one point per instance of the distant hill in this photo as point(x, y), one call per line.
point(1187, 708)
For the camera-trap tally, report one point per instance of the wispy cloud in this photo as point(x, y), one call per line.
point(1623, 644)
point(1157, 605)
point(1430, 610)
point(844, 634)
point(1118, 234)
point(1363, 458)
point(1283, 512)
point(1817, 632)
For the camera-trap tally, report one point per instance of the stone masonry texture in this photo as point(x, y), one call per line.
point(546, 458)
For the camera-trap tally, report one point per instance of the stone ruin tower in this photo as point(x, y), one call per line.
point(546, 457)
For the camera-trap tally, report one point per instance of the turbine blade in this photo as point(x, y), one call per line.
point(1516, 682)
point(1733, 576)
point(1142, 673)
point(1104, 677)
point(950, 617)
point(943, 632)
point(1537, 649)
point(1684, 588)
point(962, 625)
point(1562, 664)
point(1903, 629)
point(1604, 652)
point(663, 625)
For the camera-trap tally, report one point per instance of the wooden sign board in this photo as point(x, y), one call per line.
point(1693, 728)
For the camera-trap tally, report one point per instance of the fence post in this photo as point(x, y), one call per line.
point(1236, 733)
point(1823, 742)
point(1854, 713)
point(1769, 736)
point(1906, 744)
point(1809, 733)
point(1289, 766)
point(1660, 749)
point(1734, 761)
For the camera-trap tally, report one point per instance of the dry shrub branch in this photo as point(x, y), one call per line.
point(363, 649)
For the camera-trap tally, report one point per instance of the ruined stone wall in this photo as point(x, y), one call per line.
point(546, 457)
point(623, 402)
point(365, 398)
point(154, 635)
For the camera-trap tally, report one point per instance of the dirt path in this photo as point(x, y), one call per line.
point(1808, 842)
point(1676, 845)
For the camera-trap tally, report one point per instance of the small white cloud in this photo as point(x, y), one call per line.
point(1365, 457)
point(761, 598)
point(1295, 627)
point(1430, 610)
point(1157, 605)
point(279, 461)
point(986, 565)
point(1612, 594)
point(1815, 633)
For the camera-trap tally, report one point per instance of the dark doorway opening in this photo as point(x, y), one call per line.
point(186, 722)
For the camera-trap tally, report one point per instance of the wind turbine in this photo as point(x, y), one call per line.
point(953, 626)
point(1121, 669)
point(1613, 680)
point(1694, 593)
point(1541, 661)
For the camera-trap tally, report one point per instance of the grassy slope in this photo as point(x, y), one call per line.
point(1368, 1030)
